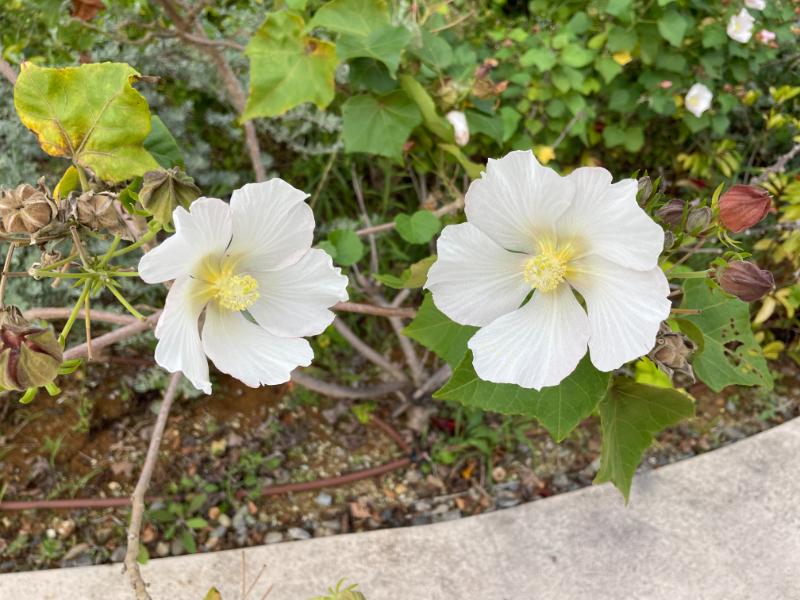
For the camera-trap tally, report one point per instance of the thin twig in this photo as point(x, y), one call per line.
point(373, 247)
point(778, 167)
point(123, 333)
point(451, 207)
point(4, 277)
point(322, 180)
point(367, 351)
point(137, 498)
point(417, 372)
point(435, 380)
point(333, 390)
point(378, 311)
point(56, 314)
point(7, 71)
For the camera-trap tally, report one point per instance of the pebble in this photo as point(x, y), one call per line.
point(214, 512)
point(65, 528)
point(506, 500)
point(119, 554)
point(499, 473)
point(413, 476)
point(561, 480)
point(450, 515)
point(176, 547)
point(224, 520)
point(273, 537)
point(422, 506)
point(162, 549)
point(332, 524)
point(51, 533)
point(324, 499)
point(296, 533)
point(75, 551)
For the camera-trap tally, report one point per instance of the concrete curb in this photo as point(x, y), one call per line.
point(725, 525)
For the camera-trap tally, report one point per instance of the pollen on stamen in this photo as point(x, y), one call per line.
point(237, 292)
point(545, 271)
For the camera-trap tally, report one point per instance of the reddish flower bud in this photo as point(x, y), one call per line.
point(671, 213)
point(743, 206)
point(746, 281)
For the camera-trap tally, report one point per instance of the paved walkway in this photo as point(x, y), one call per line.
point(724, 526)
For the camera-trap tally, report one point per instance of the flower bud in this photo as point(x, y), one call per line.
point(459, 122)
point(669, 240)
point(26, 209)
point(743, 206)
point(672, 351)
point(29, 356)
point(163, 191)
point(671, 213)
point(746, 280)
point(96, 211)
point(645, 190)
point(698, 220)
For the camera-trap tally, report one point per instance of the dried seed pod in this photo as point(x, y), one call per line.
point(743, 206)
point(746, 280)
point(96, 211)
point(163, 191)
point(672, 351)
point(29, 356)
point(26, 209)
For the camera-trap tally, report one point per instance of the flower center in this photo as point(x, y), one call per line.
point(236, 292)
point(546, 270)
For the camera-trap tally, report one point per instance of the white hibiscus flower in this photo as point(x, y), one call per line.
point(740, 26)
point(530, 229)
point(460, 126)
point(251, 256)
point(698, 100)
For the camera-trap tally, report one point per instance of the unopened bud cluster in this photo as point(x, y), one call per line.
point(29, 356)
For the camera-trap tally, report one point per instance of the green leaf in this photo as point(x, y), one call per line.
point(618, 7)
point(90, 114)
point(197, 523)
point(576, 56)
point(672, 27)
point(620, 39)
point(379, 124)
point(371, 75)
point(490, 125)
point(434, 51)
point(631, 415)
point(731, 355)
point(608, 68)
point(434, 122)
point(472, 169)
point(353, 17)
point(543, 59)
point(647, 372)
point(287, 67)
point(385, 45)
point(187, 539)
point(419, 228)
point(344, 246)
point(162, 145)
point(213, 594)
point(411, 278)
point(559, 408)
point(437, 333)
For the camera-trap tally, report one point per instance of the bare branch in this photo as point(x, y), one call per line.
point(367, 351)
point(137, 499)
point(378, 311)
point(113, 337)
point(7, 71)
point(333, 390)
point(451, 207)
point(778, 167)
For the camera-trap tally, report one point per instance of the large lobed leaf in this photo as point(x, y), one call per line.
point(731, 355)
point(630, 417)
point(437, 333)
point(287, 67)
point(559, 408)
point(379, 124)
point(353, 17)
point(90, 114)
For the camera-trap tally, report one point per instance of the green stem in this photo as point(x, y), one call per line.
point(111, 249)
point(62, 338)
point(122, 300)
point(59, 264)
point(147, 237)
point(82, 177)
point(690, 274)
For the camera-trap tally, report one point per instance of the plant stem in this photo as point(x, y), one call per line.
point(147, 237)
point(4, 277)
point(62, 338)
point(82, 177)
point(137, 498)
point(124, 301)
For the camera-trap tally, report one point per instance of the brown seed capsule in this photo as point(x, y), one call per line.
point(672, 351)
point(672, 212)
point(746, 280)
point(29, 356)
point(743, 206)
point(26, 209)
point(163, 191)
point(96, 211)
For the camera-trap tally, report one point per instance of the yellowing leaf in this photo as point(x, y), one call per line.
point(622, 58)
point(287, 67)
point(90, 114)
point(544, 153)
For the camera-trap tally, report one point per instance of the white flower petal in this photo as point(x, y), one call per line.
point(625, 309)
point(535, 346)
point(294, 301)
point(249, 353)
point(203, 230)
point(272, 225)
point(178, 333)
point(605, 219)
point(473, 280)
point(517, 200)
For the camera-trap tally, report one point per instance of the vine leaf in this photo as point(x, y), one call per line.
point(353, 17)
point(385, 44)
point(90, 114)
point(379, 124)
point(437, 333)
point(730, 353)
point(631, 415)
point(559, 408)
point(287, 67)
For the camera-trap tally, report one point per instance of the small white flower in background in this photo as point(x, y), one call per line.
point(756, 4)
point(459, 122)
point(251, 255)
point(765, 36)
point(698, 99)
point(740, 27)
point(528, 229)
